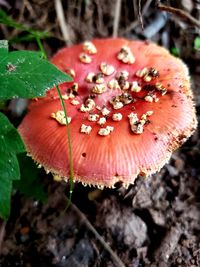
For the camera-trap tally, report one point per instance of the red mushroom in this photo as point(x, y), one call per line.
point(129, 106)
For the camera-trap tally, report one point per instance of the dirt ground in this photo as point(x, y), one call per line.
point(156, 222)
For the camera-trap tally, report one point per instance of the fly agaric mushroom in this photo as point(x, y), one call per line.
point(129, 106)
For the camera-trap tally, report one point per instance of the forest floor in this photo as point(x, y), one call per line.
point(156, 222)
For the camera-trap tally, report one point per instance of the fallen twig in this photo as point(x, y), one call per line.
point(168, 244)
point(2, 233)
point(15, 30)
point(140, 15)
point(116, 18)
point(62, 22)
point(117, 261)
point(178, 12)
point(136, 22)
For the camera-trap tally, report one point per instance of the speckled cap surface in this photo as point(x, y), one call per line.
point(129, 107)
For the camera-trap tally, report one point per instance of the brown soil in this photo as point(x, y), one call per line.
point(153, 223)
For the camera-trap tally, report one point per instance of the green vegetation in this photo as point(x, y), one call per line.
point(197, 43)
point(23, 74)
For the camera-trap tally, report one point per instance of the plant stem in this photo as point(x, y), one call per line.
point(71, 173)
point(40, 45)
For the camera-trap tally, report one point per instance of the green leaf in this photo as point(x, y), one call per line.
point(2, 104)
point(5, 194)
point(10, 140)
point(25, 74)
point(30, 183)
point(197, 43)
point(3, 48)
point(9, 167)
point(10, 144)
point(175, 51)
point(9, 171)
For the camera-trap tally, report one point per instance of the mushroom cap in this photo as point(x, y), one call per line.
point(123, 154)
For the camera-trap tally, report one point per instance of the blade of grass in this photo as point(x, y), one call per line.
point(71, 171)
point(40, 45)
point(8, 21)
